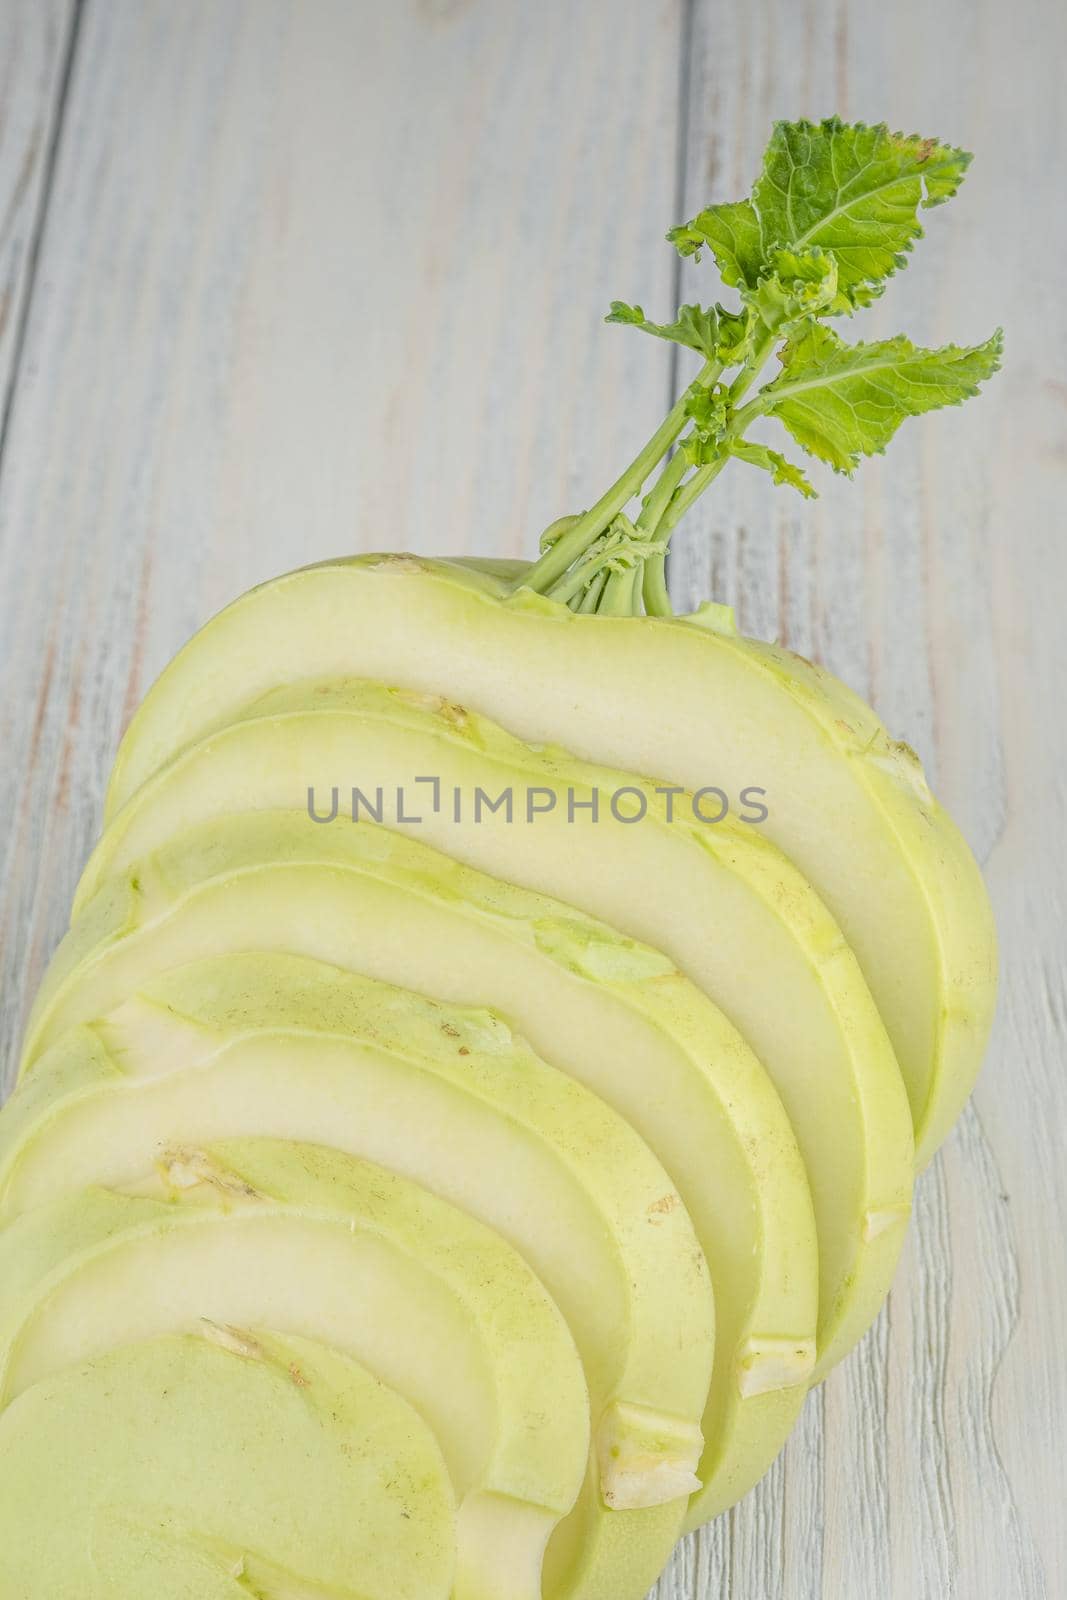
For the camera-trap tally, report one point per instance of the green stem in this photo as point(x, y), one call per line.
point(571, 584)
point(654, 589)
point(691, 491)
point(566, 550)
point(688, 493)
point(654, 583)
point(591, 598)
point(618, 597)
point(753, 366)
point(757, 407)
point(561, 572)
point(658, 497)
point(670, 509)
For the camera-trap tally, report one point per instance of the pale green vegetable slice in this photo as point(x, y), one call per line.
point(689, 704)
point(609, 1011)
point(289, 1048)
point(217, 1466)
point(307, 1241)
point(719, 899)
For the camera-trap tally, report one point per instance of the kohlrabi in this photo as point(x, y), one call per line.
point(663, 1053)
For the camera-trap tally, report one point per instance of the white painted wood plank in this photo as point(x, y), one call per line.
point(317, 277)
point(34, 40)
point(273, 319)
point(932, 1465)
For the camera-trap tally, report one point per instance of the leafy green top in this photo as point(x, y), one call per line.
point(854, 190)
point(832, 216)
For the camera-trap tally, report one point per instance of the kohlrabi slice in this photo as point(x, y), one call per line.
point(310, 1242)
point(560, 650)
point(783, 972)
point(683, 701)
point(285, 1047)
point(218, 1465)
point(611, 1012)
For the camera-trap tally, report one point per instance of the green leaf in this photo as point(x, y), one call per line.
point(732, 233)
point(781, 469)
point(698, 449)
point(853, 189)
point(841, 401)
point(709, 411)
point(737, 333)
point(802, 283)
point(723, 336)
point(856, 191)
point(695, 326)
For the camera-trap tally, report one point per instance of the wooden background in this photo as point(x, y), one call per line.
point(281, 279)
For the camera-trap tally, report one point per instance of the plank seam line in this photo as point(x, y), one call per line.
point(687, 36)
point(33, 254)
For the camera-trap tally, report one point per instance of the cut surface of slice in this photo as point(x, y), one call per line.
point(685, 701)
point(166, 1468)
point(288, 1048)
point(783, 974)
point(310, 1242)
point(609, 1011)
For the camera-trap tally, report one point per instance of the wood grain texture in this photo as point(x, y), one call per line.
point(35, 37)
point(931, 584)
point(316, 277)
point(327, 275)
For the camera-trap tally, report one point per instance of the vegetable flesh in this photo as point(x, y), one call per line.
point(783, 973)
point(311, 1243)
point(166, 1468)
point(831, 217)
point(610, 1012)
point(289, 1048)
point(662, 697)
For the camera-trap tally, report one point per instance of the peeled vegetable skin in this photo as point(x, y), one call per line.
point(664, 697)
